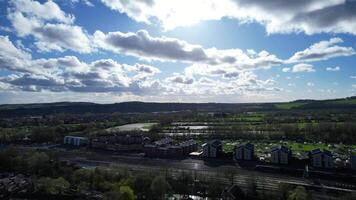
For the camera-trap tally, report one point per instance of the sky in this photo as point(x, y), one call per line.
point(228, 51)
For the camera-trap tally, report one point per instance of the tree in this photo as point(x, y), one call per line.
point(142, 185)
point(8, 161)
point(159, 187)
point(120, 193)
point(59, 185)
point(299, 193)
point(126, 193)
point(38, 163)
point(52, 186)
point(284, 190)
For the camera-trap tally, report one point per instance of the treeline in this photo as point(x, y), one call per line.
point(330, 132)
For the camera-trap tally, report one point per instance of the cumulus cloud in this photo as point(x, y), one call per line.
point(177, 78)
point(48, 10)
point(246, 83)
point(302, 67)
point(322, 50)
point(146, 69)
point(286, 69)
point(333, 69)
point(12, 58)
point(70, 74)
point(331, 16)
point(51, 28)
point(142, 45)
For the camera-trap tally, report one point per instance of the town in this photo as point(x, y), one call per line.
point(166, 148)
point(253, 154)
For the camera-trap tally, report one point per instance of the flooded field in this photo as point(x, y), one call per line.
point(132, 127)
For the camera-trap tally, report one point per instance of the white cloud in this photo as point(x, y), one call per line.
point(333, 69)
point(353, 77)
point(286, 69)
point(310, 84)
point(47, 11)
point(322, 50)
point(317, 16)
point(302, 67)
point(171, 14)
point(69, 74)
point(52, 30)
point(354, 86)
point(85, 2)
point(12, 58)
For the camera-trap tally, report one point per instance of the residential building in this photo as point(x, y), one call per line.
point(212, 149)
point(353, 161)
point(150, 150)
point(75, 141)
point(281, 155)
point(244, 151)
point(166, 148)
point(121, 142)
point(321, 158)
point(188, 146)
point(175, 151)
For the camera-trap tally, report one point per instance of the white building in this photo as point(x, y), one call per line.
point(75, 141)
point(244, 152)
point(212, 149)
point(280, 155)
point(322, 159)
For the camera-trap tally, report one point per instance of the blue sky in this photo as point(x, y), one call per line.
point(176, 51)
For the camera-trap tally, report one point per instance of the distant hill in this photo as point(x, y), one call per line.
point(349, 102)
point(17, 110)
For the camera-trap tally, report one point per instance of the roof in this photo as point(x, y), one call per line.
point(150, 146)
point(317, 151)
point(75, 137)
point(174, 147)
point(215, 143)
point(188, 142)
point(246, 145)
point(281, 148)
point(164, 141)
